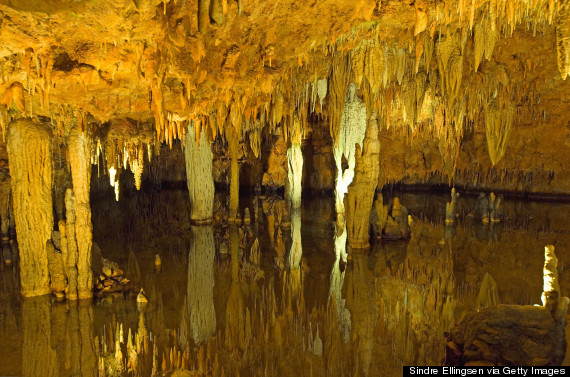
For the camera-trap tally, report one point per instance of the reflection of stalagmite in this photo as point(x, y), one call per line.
point(198, 154)
point(488, 294)
point(359, 295)
point(80, 161)
point(337, 281)
point(352, 129)
point(200, 293)
point(29, 151)
point(235, 336)
point(296, 251)
point(39, 359)
point(361, 191)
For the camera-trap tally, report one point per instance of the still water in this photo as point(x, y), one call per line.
point(276, 297)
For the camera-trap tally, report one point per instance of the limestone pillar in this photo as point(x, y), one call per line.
point(200, 291)
point(30, 157)
point(362, 189)
point(198, 155)
point(80, 160)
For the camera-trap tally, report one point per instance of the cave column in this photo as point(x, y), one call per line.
point(80, 160)
point(233, 143)
point(295, 166)
point(199, 177)
point(361, 191)
point(29, 146)
point(351, 133)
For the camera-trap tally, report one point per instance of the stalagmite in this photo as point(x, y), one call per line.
point(295, 166)
point(551, 288)
point(30, 154)
point(80, 161)
point(233, 143)
point(352, 129)
point(200, 291)
point(69, 245)
point(451, 207)
point(362, 189)
point(198, 155)
point(5, 198)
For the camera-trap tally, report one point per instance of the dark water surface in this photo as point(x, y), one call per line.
point(221, 306)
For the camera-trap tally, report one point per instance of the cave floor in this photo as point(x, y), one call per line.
point(216, 306)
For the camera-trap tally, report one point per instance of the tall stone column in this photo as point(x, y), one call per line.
point(198, 155)
point(80, 160)
point(361, 191)
point(30, 157)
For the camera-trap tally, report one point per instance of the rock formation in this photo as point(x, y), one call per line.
point(30, 153)
point(361, 191)
point(198, 155)
point(79, 145)
point(295, 167)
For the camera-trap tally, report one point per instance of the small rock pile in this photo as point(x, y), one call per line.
point(111, 279)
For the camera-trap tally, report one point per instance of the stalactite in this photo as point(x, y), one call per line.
point(198, 155)
point(80, 160)
point(361, 191)
point(498, 126)
point(563, 38)
point(30, 154)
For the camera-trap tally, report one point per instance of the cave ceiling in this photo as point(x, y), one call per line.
point(430, 67)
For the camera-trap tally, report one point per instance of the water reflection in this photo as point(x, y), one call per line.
point(276, 301)
point(57, 340)
point(200, 322)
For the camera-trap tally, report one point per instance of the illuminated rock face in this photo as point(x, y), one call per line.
point(30, 154)
point(198, 155)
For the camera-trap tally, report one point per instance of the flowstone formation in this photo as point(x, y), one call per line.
point(30, 153)
point(362, 189)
